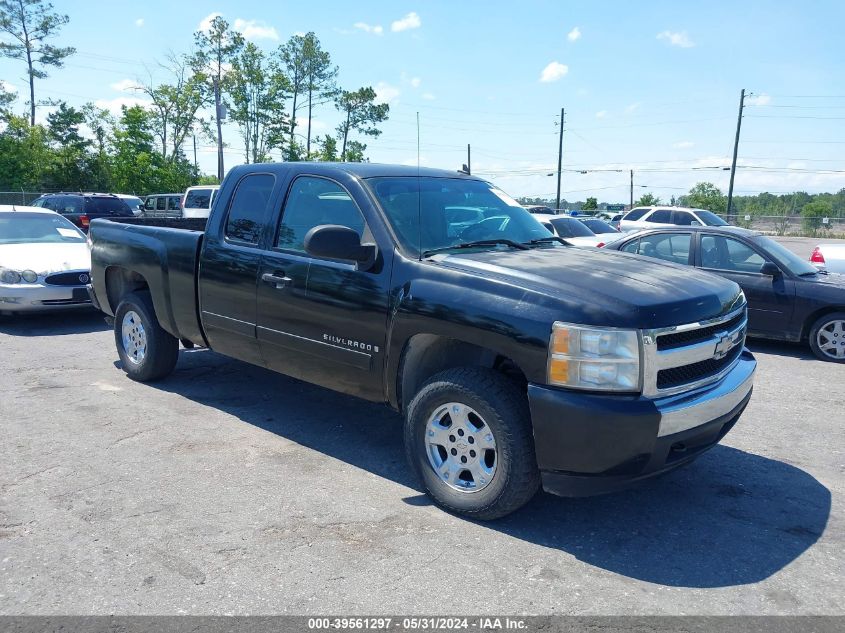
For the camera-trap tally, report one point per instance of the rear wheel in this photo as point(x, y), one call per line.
point(827, 337)
point(146, 351)
point(468, 437)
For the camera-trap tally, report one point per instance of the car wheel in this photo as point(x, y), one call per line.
point(827, 337)
point(468, 437)
point(146, 351)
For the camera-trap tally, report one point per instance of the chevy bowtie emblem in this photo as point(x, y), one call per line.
point(725, 344)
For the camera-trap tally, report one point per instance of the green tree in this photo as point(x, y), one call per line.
point(706, 195)
point(294, 57)
point(29, 25)
point(68, 169)
point(813, 212)
point(355, 152)
point(590, 205)
point(361, 114)
point(320, 79)
point(258, 103)
point(25, 155)
point(215, 50)
point(647, 200)
point(328, 148)
point(7, 98)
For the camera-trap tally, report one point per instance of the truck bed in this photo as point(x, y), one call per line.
point(188, 224)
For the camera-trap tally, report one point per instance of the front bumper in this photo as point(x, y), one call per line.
point(37, 297)
point(591, 444)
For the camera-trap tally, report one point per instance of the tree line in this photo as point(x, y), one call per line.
point(270, 96)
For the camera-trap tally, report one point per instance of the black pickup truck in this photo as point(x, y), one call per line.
point(515, 358)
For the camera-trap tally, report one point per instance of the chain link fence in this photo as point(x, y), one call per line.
point(791, 225)
point(20, 197)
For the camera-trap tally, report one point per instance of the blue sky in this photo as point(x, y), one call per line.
point(651, 86)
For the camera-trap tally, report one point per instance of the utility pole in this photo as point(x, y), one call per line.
point(736, 147)
point(469, 160)
point(196, 164)
point(632, 188)
point(559, 161)
point(219, 130)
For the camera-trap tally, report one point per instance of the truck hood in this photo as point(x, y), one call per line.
point(599, 287)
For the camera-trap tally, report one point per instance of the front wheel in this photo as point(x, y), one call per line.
point(468, 437)
point(146, 351)
point(827, 337)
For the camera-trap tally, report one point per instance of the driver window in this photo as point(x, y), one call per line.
point(313, 202)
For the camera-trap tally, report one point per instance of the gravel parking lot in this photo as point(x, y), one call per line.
point(228, 489)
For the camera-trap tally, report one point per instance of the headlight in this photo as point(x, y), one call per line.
point(29, 276)
point(8, 276)
point(605, 359)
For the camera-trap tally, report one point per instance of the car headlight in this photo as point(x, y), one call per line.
point(584, 357)
point(29, 276)
point(8, 276)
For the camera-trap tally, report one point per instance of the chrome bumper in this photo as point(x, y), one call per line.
point(39, 298)
point(689, 410)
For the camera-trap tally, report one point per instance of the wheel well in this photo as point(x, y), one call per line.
point(808, 323)
point(427, 354)
point(120, 282)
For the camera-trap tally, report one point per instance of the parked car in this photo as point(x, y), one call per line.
point(198, 201)
point(571, 229)
point(135, 203)
point(163, 205)
point(44, 261)
point(604, 231)
point(612, 217)
point(514, 358)
point(539, 208)
point(788, 298)
point(651, 217)
point(81, 208)
point(831, 257)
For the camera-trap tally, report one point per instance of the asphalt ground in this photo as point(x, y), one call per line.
point(228, 489)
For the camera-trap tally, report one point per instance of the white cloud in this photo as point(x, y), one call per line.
point(299, 33)
point(415, 82)
point(601, 114)
point(114, 105)
point(676, 38)
point(683, 144)
point(632, 107)
point(255, 30)
point(385, 93)
point(124, 85)
point(428, 96)
point(139, 22)
point(759, 100)
point(7, 87)
point(375, 29)
point(410, 21)
point(205, 23)
point(574, 34)
point(553, 72)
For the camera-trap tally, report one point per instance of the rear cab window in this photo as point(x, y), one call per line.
point(198, 199)
point(248, 209)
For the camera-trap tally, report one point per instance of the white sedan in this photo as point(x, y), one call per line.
point(571, 229)
point(831, 257)
point(44, 261)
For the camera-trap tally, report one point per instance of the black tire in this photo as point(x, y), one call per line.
point(162, 349)
point(820, 324)
point(504, 408)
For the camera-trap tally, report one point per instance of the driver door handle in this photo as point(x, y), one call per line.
point(277, 280)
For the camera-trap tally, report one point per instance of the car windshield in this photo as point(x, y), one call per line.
point(37, 228)
point(570, 227)
point(432, 214)
point(786, 257)
point(599, 226)
point(709, 218)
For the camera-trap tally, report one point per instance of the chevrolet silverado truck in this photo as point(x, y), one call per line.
point(516, 359)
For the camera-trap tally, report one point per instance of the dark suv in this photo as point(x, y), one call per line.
point(81, 208)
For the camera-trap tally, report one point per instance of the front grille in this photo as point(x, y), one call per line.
point(676, 376)
point(689, 337)
point(78, 278)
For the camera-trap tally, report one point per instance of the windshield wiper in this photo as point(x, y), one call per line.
point(547, 240)
point(496, 242)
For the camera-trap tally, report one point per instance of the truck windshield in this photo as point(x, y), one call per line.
point(435, 214)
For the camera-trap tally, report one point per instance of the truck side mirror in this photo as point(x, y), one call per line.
point(333, 241)
point(770, 269)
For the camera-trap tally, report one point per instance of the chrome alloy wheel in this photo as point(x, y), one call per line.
point(831, 339)
point(134, 337)
point(461, 447)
